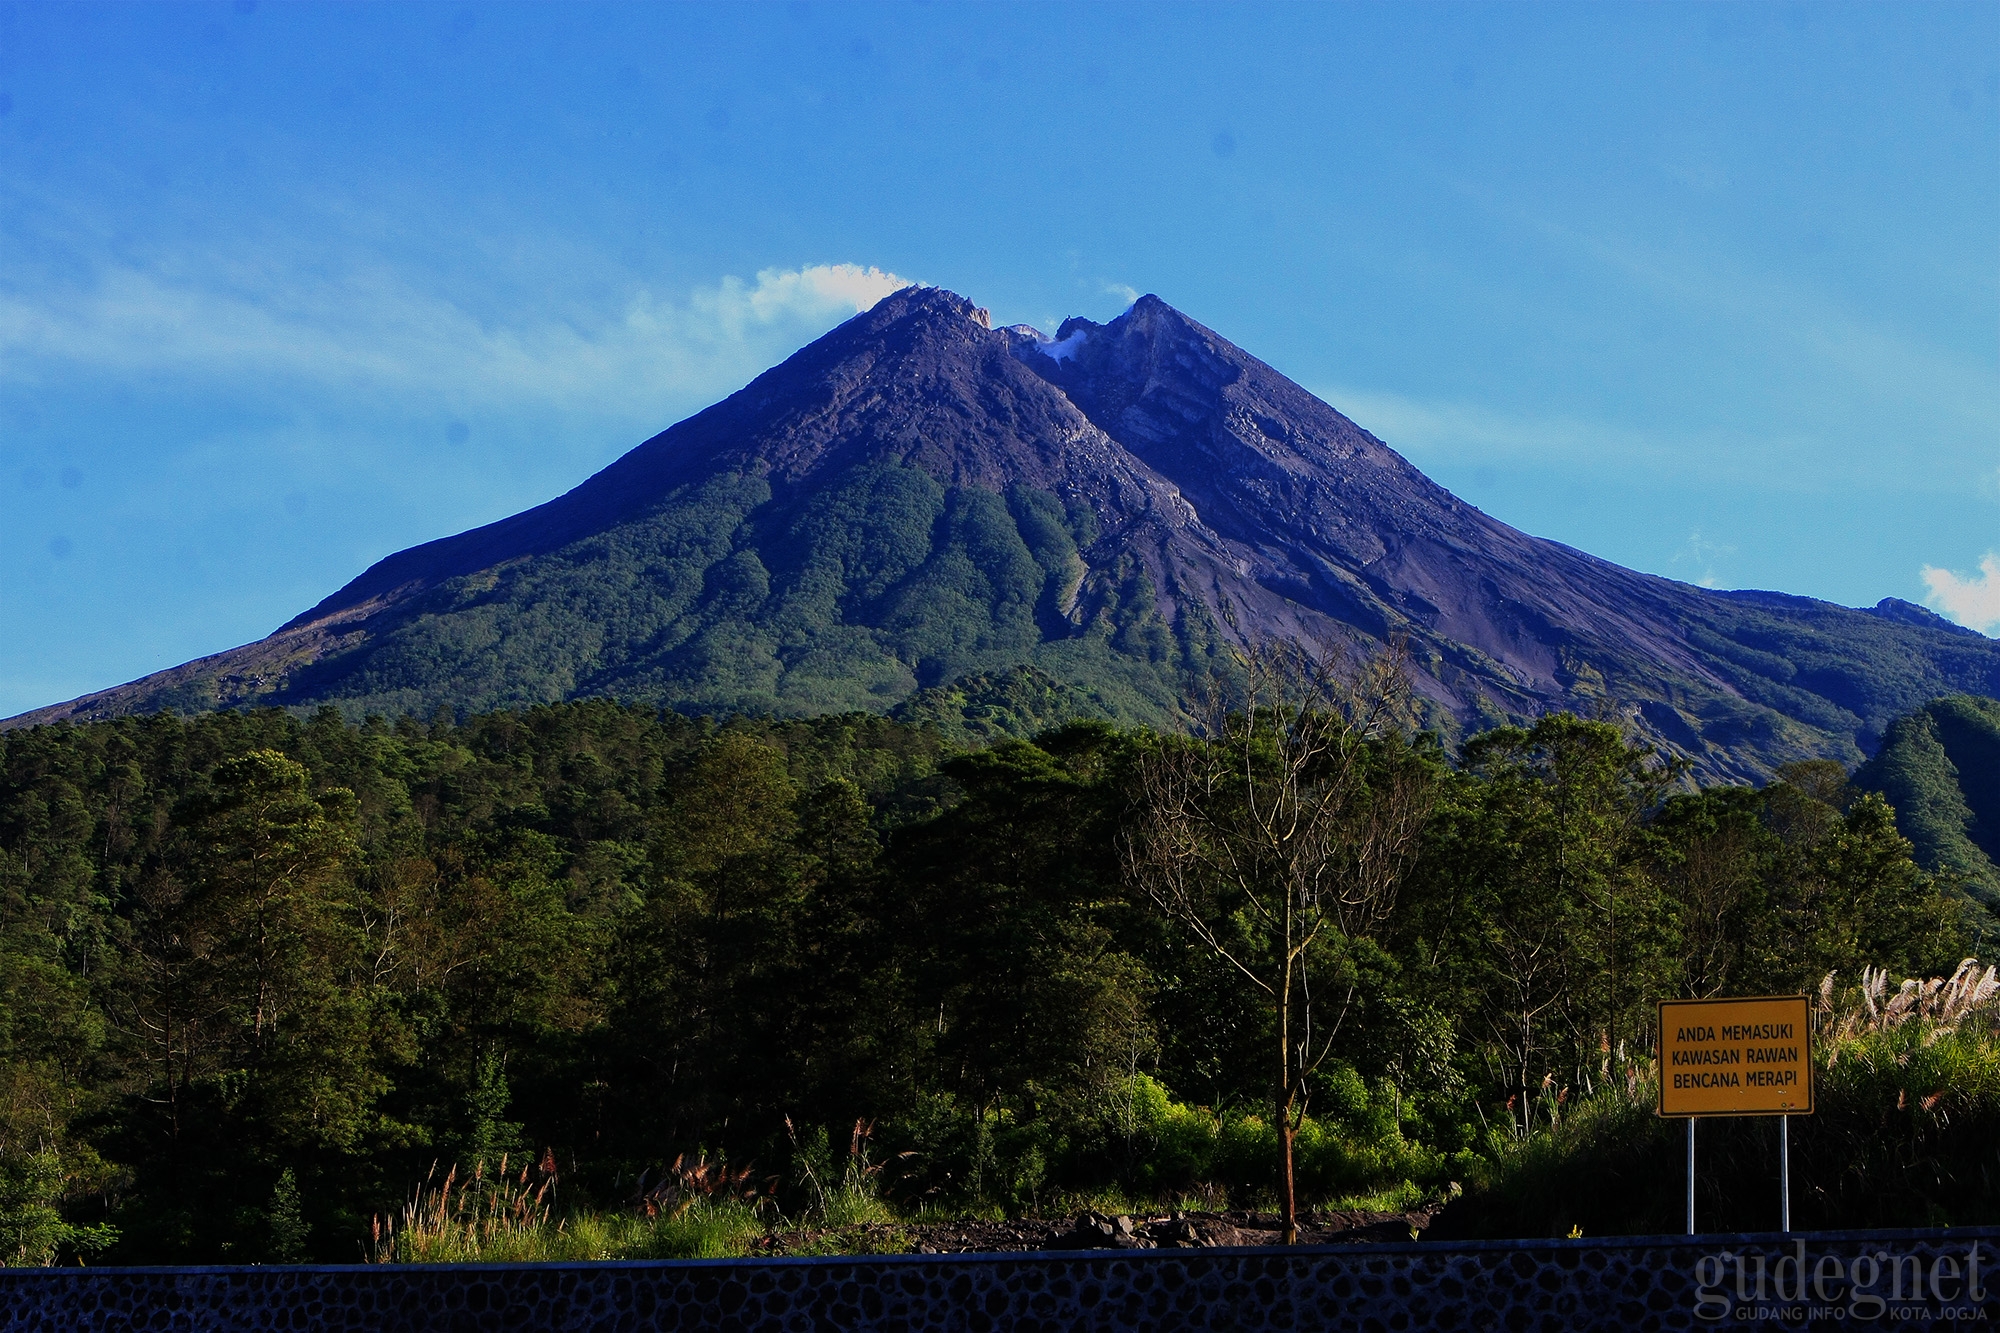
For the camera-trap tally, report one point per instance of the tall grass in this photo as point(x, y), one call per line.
point(510, 1217)
point(698, 1209)
point(850, 1197)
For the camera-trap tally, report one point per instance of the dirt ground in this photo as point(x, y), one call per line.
point(1175, 1230)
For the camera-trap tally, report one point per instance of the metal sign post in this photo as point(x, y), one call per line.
point(1748, 1056)
point(1784, 1172)
point(1690, 1175)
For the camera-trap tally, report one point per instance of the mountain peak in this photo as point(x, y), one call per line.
point(918, 300)
point(1909, 613)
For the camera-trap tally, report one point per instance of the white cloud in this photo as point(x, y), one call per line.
point(235, 323)
point(1123, 292)
point(1067, 348)
point(818, 289)
point(1972, 600)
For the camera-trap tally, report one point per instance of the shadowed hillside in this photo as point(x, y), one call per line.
point(1940, 768)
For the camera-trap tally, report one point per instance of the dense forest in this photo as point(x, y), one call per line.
point(261, 976)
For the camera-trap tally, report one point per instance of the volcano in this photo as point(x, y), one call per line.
point(921, 513)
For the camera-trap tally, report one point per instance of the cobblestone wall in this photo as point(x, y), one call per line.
point(1849, 1280)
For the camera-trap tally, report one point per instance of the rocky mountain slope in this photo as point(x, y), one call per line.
point(921, 510)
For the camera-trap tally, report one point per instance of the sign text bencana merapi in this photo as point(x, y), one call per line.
point(1791, 1285)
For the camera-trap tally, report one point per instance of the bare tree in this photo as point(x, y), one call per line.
point(1283, 827)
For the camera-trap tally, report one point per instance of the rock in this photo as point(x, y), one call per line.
point(1095, 1231)
point(1176, 1234)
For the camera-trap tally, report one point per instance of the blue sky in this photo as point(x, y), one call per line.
point(1710, 290)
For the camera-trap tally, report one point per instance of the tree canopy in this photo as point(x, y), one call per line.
point(259, 972)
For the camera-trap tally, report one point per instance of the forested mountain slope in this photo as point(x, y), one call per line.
point(1940, 768)
point(918, 498)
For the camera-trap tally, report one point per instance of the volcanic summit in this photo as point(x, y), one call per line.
point(920, 509)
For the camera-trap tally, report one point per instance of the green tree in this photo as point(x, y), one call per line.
point(1031, 1012)
point(1536, 904)
point(1717, 859)
point(1851, 895)
point(1279, 840)
point(700, 1012)
point(244, 941)
point(33, 1231)
point(239, 1004)
point(286, 1228)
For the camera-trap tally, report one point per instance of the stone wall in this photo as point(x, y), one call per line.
point(1939, 1279)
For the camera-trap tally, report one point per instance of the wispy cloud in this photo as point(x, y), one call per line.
point(1861, 356)
point(1972, 600)
point(376, 329)
point(1700, 553)
point(1441, 431)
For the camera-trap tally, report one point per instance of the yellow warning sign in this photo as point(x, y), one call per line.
point(1750, 1056)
